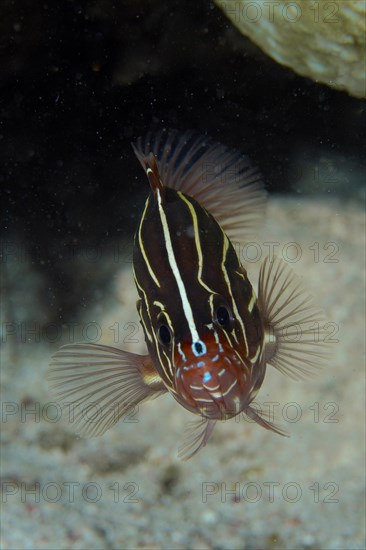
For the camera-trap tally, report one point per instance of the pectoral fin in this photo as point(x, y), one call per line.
point(97, 385)
point(296, 338)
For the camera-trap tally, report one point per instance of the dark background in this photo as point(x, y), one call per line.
point(81, 80)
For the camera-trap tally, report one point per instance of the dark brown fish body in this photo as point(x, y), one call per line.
point(207, 333)
point(217, 282)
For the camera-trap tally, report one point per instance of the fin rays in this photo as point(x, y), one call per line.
point(293, 319)
point(196, 435)
point(263, 420)
point(221, 180)
point(98, 384)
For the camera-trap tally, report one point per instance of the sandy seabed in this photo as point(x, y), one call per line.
point(248, 488)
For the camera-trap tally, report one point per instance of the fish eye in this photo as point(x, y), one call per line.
point(224, 317)
point(165, 335)
point(164, 331)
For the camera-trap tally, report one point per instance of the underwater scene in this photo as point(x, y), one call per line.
point(182, 257)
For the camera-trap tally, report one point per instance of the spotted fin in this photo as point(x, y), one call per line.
point(97, 385)
point(196, 435)
point(222, 180)
point(296, 338)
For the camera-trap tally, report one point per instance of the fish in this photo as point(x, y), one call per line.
point(209, 336)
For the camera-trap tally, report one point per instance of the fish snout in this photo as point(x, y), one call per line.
point(215, 384)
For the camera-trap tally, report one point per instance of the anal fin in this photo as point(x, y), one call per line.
point(96, 385)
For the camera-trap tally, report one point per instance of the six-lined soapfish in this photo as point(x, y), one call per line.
point(209, 337)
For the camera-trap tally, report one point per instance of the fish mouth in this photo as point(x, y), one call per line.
point(217, 384)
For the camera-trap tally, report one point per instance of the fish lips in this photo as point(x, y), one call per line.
point(215, 384)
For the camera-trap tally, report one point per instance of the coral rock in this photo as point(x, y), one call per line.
point(325, 41)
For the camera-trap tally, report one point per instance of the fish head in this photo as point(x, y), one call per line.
point(211, 377)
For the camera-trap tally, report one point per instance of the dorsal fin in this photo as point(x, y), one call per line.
point(221, 180)
point(152, 172)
